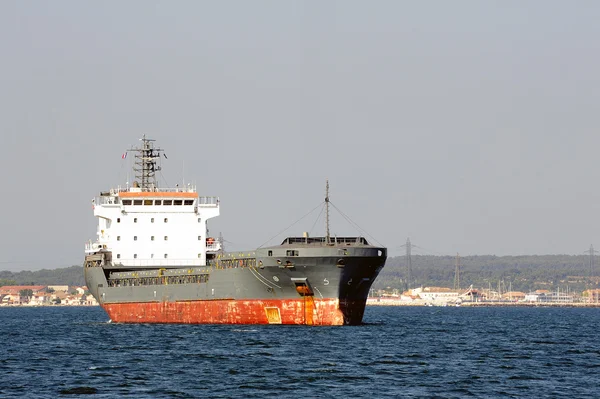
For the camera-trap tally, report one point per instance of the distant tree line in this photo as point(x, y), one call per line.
point(521, 273)
point(66, 276)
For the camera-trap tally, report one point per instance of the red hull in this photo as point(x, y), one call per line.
point(305, 310)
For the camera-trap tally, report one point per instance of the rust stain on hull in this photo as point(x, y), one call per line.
point(306, 310)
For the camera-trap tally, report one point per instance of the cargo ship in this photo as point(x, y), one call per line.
point(152, 262)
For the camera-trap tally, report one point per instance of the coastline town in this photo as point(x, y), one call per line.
point(65, 295)
point(441, 296)
point(45, 295)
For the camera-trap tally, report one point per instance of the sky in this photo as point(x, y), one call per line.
point(471, 127)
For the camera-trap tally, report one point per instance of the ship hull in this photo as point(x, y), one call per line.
point(305, 311)
point(319, 289)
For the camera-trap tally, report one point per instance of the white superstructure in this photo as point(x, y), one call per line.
point(147, 226)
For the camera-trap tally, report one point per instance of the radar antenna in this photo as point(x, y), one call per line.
point(146, 164)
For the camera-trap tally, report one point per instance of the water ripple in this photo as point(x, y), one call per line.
point(398, 352)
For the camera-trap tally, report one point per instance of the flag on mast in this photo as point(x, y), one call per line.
point(124, 155)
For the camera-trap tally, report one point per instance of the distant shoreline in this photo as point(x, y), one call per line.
point(490, 304)
point(20, 305)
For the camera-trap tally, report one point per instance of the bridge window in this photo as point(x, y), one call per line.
point(134, 256)
point(177, 202)
point(137, 202)
point(270, 253)
point(151, 220)
point(152, 238)
point(118, 256)
point(167, 202)
point(198, 220)
point(292, 253)
point(126, 202)
point(118, 220)
point(199, 255)
point(188, 202)
point(199, 238)
point(134, 238)
point(157, 202)
point(166, 220)
point(166, 256)
point(147, 202)
point(118, 238)
point(134, 220)
point(166, 238)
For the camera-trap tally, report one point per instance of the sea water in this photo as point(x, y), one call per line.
point(448, 352)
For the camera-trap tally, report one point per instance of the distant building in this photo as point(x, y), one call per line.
point(592, 295)
point(39, 299)
point(59, 288)
point(513, 296)
point(437, 294)
point(549, 297)
point(89, 300)
point(15, 289)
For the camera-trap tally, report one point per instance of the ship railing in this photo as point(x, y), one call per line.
point(203, 201)
point(104, 200)
point(323, 240)
point(215, 246)
point(176, 189)
point(208, 201)
point(119, 189)
point(157, 262)
point(94, 246)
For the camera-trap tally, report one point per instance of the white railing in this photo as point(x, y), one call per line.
point(104, 200)
point(215, 246)
point(205, 201)
point(95, 246)
point(183, 189)
point(210, 201)
point(157, 262)
point(92, 246)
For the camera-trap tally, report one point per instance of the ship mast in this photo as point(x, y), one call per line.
point(145, 166)
point(327, 236)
